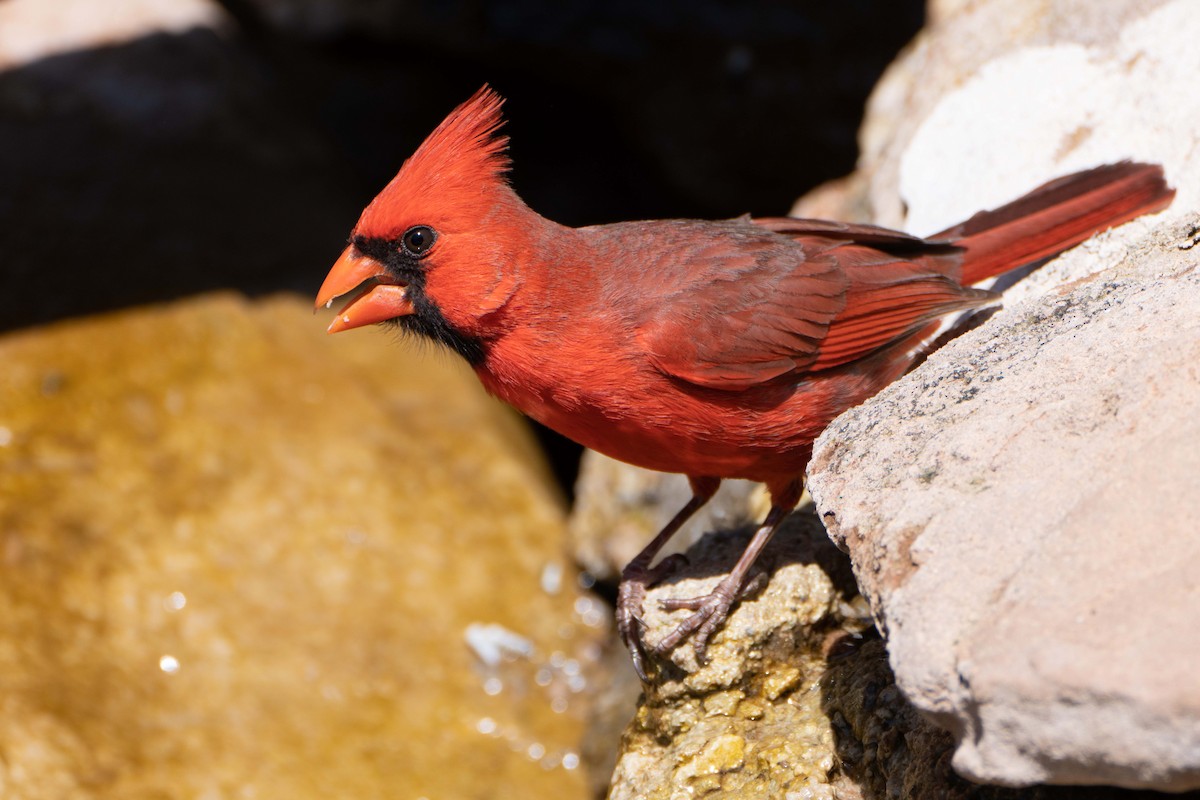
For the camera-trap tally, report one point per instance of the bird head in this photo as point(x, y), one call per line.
point(436, 250)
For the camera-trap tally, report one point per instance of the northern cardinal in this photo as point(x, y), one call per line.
point(716, 349)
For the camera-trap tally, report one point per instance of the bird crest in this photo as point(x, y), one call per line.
point(465, 155)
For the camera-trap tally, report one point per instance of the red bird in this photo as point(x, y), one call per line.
point(715, 349)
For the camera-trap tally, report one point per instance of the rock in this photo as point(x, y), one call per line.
point(798, 700)
point(242, 558)
point(966, 42)
point(962, 155)
point(749, 724)
point(889, 749)
point(885, 746)
point(1020, 513)
point(883, 742)
point(1020, 509)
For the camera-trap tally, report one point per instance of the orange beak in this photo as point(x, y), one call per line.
point(382, 297)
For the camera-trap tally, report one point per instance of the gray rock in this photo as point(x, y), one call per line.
point(1021, 510)
point(992, 148)
point(1022, 513)
point(966, 42)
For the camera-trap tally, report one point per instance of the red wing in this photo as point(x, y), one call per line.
point(887, 301)
point(880, 238)
point(763, 309)
point(748, 311)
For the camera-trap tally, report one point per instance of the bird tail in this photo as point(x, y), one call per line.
point(1057, 216)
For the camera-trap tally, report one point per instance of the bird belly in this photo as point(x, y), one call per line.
point(759, 435)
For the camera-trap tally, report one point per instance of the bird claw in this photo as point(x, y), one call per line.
point(631, 595)
point(710, 611)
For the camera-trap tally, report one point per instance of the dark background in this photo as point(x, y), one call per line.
point(239, 157)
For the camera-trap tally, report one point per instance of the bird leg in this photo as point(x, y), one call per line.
point(713, 608)
point(638, 575)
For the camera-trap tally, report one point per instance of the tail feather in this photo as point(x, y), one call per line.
point(1057, 216)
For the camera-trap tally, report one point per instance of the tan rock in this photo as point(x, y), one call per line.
point(1010, 505)
point(884, 745)
point(240, 557)
point(1020, 512)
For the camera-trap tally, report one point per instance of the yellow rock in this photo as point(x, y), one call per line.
point(723, 754)
point(751, 722)
point(239, 558)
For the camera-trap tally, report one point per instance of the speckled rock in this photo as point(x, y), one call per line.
point(242, 558)
point(749, 724)
point(999, 620)
point(1017, 507)
point(892, 751)
point(883, 744)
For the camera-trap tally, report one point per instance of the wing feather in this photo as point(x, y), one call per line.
point(758, 302)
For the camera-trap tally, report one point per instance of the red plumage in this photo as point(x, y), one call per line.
point(716, 349)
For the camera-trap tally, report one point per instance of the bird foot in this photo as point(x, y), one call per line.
point(631, 594)
point(709, 612)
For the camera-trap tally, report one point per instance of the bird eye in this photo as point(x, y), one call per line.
point(418, 240)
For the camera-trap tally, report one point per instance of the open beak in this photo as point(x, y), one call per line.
point(379, 296)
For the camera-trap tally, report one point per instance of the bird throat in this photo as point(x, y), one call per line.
point(428, 321)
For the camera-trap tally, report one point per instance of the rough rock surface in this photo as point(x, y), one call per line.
point(749, 724)
point(1022, 513)
point(890, 750)
point(239, 559)
point(1134, 49)
point(797, 701)
point(1022, 510)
